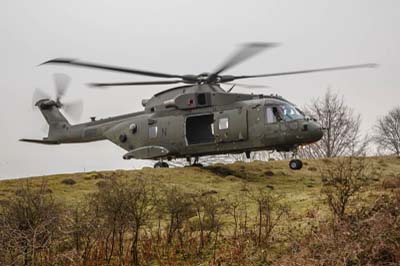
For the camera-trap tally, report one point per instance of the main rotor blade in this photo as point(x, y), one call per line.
point(244, 53)
point(102, 85)
point(370, 65)
point(61, 82)
point(247, 86)
point(73, 109)
point(74, 62)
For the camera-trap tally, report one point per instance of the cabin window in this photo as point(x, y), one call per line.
point(153, 132)
point(223, 123)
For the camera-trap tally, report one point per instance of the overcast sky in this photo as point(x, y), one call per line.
point(182, 37)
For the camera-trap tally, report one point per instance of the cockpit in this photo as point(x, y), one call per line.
point(282, 112)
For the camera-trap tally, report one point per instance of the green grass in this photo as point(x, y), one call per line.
point(299, 189)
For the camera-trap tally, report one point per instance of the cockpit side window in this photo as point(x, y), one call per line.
point(283, 112)
point(273, 114)
point(277, 111)
point(269, 115)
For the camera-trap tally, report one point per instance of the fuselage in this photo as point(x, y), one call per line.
point(186, 123)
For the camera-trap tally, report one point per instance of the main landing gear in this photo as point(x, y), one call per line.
point(295, 164)
point(195, 162)
point(161, 164)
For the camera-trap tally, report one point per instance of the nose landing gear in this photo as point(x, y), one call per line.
point(295, 164)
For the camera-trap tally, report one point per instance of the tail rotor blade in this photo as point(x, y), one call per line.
point(73, 109)
point(61, 82)
point(38, 95)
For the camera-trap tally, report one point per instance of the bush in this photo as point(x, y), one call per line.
point(68, 181)
point(30, 227)
point(102, 184)
point(392, 182)
point(370, 236)
point(342, 180)
point(268, 173)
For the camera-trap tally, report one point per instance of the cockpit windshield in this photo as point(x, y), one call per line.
point(291, 112)
point(282, 112)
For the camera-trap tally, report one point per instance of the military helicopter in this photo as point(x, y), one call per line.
point(195, 119)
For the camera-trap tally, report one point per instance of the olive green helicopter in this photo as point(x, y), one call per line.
point(197, 118)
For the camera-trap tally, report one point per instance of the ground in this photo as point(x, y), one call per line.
point(300, 190)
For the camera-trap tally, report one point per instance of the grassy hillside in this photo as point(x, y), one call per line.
point(298, 191)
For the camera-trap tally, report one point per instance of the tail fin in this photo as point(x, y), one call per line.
point(58, 124)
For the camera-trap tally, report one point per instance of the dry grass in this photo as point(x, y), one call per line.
point(299, 190)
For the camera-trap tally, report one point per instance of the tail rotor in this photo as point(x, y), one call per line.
point(72, 109)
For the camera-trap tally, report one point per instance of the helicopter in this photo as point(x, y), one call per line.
point(195, 119)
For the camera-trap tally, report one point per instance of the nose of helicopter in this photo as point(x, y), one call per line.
point(315, 131)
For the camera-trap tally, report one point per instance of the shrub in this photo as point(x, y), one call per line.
point(68, 181)
point(30, 227)
point(370, 236)
point(268, 173)
point(102, 184)
point(342, 180)
point(392, 182)
point(210, 192)
point(270, 212)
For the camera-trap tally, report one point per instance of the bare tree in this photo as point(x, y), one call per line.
point(387, 132)
point(342, 134)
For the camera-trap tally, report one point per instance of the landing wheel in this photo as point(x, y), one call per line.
point(295, 164)
point(161, 165)
point(195, 162)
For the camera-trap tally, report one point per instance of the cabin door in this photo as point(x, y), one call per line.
point(230, 125)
